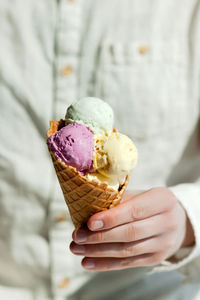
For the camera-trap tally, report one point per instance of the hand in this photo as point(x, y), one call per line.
point(143, 230)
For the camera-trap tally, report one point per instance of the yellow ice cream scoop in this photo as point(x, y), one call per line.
point(121, 154)
point(115, 156)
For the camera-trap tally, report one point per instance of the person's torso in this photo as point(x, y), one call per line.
point(138, 56)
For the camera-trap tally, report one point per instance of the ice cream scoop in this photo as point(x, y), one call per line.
point(121, 156)
point(74, 145)
point(92, 112)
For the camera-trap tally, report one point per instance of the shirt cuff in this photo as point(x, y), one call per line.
point(189, 196)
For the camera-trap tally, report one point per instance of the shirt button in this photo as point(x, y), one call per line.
point(67, 70)
point(143, 49)
point(64, 283)
point(61, 218)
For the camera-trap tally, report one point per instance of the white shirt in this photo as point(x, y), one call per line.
point(143, 58)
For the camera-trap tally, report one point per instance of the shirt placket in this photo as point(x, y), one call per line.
point(67, 47)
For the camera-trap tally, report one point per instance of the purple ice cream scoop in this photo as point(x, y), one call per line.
point(74, 145)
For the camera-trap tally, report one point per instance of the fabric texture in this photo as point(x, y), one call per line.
point(142, 57)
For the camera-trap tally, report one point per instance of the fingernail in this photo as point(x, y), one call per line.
point(89, 264)
point(81, 236)
point(79, 249)
point(97, 225)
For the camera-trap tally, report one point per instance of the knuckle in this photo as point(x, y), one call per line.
point(126, 252)
point(130, 233)
point(137, 212)
point(136, 250)
point(129, 251)
point(99, 236)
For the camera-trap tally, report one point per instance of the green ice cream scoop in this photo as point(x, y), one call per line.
point(92, 112)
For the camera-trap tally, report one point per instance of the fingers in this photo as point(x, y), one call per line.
point(130, 232)
point(122, 250)
point(142, 206)
point(118, 256)
point(106, 264)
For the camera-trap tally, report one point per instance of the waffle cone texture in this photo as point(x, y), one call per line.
point(83, 197)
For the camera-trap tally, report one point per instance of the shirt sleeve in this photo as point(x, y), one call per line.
point(189, 197)
point(189, 193)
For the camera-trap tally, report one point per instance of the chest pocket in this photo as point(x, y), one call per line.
point(146, 84)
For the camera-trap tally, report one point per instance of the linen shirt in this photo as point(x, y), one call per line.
point(143, 58)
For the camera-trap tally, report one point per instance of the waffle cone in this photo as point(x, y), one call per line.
point(83, 197)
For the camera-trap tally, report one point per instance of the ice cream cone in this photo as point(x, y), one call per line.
point(83, 197)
